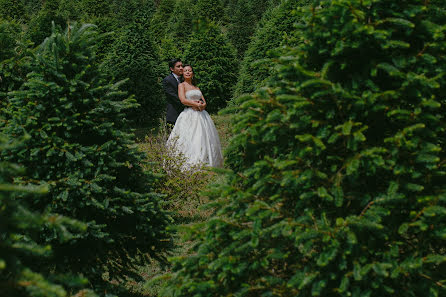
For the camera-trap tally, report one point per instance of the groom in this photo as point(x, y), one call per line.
point(170, 85)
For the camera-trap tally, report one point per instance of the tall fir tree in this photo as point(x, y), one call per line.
point(181, 23)
point(214, 62)
point(338, 185)
point(160, 20)
point(19, 234)
point(80, 145)
point(275, 29)
point(135, 56)
point(242, 18)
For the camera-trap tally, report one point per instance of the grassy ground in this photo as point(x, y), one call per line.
point(184, 196)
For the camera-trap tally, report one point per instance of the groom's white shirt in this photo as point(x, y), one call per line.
point(176, 77)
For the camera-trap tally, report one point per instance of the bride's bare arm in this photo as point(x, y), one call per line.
point(184, 100)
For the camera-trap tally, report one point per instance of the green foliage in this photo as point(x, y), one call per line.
point(243, 16)
point(160, 20)
point(9, 33)
point(12, 10)
point(135, 56)
point(19, 233)
point(96, 7)
point(211, 10)
point(275, 29)
point(41, 24)
point(168, 49)
point(14, 56)
point(339, 185)
point(181, 24)
point(213, 60)
point(79, 144)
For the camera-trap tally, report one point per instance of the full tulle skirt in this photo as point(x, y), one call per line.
point(195, 137)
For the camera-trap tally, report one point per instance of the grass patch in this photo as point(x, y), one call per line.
point(184, 196)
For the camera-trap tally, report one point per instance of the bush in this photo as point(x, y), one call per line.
point(135, 56)
point(19, 250)
point(339, 178)
point(214, 62)
point(81, 146)
point(275, 29)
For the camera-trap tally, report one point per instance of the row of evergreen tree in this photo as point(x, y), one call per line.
point(80, 206)
point(212, 35)
point(337, 176)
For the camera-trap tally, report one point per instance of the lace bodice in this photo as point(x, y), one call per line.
point(194, 95)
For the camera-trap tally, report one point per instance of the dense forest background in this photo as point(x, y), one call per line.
point(331, 114)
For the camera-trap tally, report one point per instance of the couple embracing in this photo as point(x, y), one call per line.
point(194, 134)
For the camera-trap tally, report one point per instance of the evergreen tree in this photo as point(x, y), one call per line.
point(338, 185)
point(136, 57)
point(182, 23)
point(214, 62)
point(275, 29)
point(160, 20)
point(211, 10)
point(14, 56)
point(79, 144)
point(243, 16)
point(19, 233)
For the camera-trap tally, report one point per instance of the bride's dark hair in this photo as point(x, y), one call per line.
point(194, 80)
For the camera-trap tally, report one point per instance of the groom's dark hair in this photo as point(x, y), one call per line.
point(173, 62)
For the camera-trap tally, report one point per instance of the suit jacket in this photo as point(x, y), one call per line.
point(174, 105)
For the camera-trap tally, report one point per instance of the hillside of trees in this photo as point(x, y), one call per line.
point(331, 113)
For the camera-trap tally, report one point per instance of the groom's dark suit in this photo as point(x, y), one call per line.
point(174, 105)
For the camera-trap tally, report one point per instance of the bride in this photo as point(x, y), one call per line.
point(194, 134)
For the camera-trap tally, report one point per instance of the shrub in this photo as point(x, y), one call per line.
point(214, 62)
point(81, 146)
point(274, 30)
point(339, 178)
point(19, 250)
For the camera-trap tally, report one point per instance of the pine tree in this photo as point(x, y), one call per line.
point(338, 185)
point(214, 62)
point(80, 145)
point(19, 229)
point(135, 56)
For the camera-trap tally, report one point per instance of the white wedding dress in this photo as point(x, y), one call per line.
point(194, 135)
